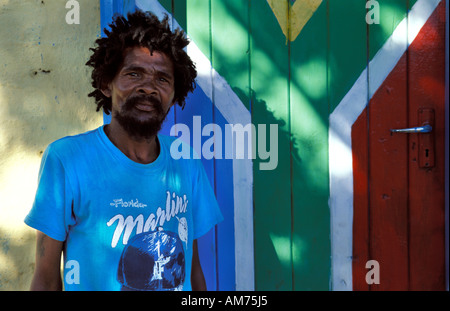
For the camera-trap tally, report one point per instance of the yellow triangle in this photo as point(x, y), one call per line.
point(292, 18)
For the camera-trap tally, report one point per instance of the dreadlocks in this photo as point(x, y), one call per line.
point(140, 30)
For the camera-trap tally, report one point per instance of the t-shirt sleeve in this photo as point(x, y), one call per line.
point(51, 212)
point(206, 209)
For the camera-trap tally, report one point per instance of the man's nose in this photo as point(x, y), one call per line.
point(147, 87)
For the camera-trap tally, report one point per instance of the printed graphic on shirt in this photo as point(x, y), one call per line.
point(154, 258)
point(152, 261)
point(175, 205)
point(183, 230)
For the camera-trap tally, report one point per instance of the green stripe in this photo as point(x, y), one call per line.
point(309, 132)
point(270, 82)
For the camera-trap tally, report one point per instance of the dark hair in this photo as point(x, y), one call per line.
point(141, 29)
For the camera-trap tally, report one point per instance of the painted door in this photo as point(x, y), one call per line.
point(399, 178)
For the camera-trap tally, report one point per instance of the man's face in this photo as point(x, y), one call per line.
point(142, 91)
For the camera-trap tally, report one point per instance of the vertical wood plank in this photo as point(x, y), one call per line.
point(308, 116)
point(426, 80)
point(272, 188)
point(388, 202)
point(346, 60)
point(230, 51)
point(361, 239)
point(388, 181)
point(198, 15)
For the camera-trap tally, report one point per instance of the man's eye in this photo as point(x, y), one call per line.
point(132, 74)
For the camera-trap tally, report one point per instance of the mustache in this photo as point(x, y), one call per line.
point(133, 101)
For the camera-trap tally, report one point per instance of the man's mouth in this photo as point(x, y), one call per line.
point(144, 107)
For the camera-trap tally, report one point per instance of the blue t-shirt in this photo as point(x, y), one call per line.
point(126, 225)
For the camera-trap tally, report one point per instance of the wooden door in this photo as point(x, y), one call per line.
point(399, 178)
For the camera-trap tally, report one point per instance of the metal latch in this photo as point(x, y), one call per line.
point(426, 139)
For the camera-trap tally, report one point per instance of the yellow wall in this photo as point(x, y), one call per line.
point(43, 96)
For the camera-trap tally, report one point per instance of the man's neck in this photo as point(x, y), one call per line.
point(139, 149)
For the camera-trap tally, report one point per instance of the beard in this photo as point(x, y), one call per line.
point(132, 120)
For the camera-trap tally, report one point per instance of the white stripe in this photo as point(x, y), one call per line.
point(340, 147)
point(232, 109)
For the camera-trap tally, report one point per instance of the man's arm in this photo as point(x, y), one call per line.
point(197, 278)
point(47, 273)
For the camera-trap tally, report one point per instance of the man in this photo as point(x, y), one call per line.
point(125, 214)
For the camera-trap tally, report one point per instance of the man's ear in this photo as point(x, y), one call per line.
point(174, 101)
point(170, 107)
point(106, 91)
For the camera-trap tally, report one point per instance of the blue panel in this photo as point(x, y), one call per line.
point(217, 248)
point(225, 230)
point(199, 105)
point(106, 14)
point(124, 6)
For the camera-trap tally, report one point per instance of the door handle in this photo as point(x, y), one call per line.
point(419, 129)
point(426, 148)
